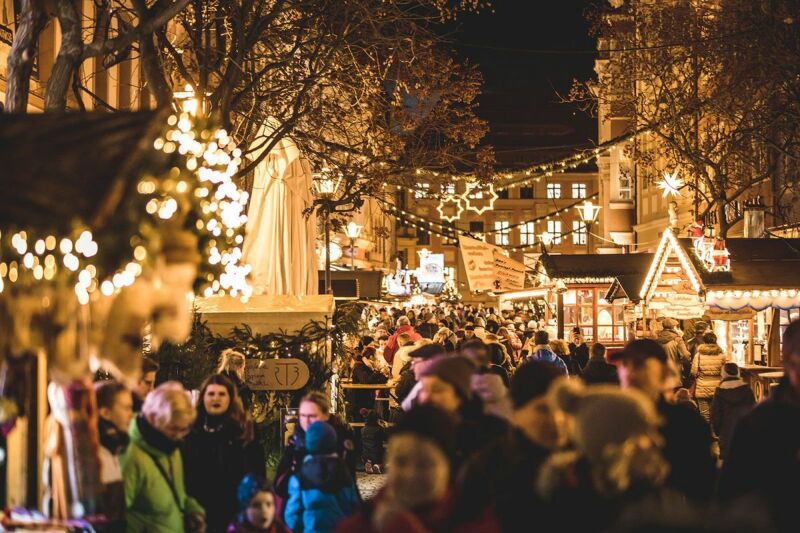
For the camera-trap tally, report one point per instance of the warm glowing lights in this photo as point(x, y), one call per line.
point(670, 184)
point(476, 190)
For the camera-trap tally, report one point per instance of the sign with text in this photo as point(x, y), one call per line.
point(488, 269)
point(276, 374)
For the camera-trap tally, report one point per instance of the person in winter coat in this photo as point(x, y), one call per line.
point(428, 327)
point(673, 344)
point(257, 508)
point(115, 412)
point(598, 370)
point(372, 440)
point(499, 479)
point(407, 345)
point(446, 338)
point(219, 451)
point(313, 406)
point(763, 454)
point(447, 384)
point(578, 349)
point(403, 326)
point(707, 369)
point(732, 400)
point(643, 365)
point(418, 494)
point(408, 386)
point(542, 352)
point(561, 349)
point(365, 370)
point(321, 492)
point(152, 469)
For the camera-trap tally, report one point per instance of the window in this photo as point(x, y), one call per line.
point(421, 190)
point(501, 232)
point(502, 194)
point(625, 183)
point(578, 232)
point(527, 233)
point(526, 193)
point(423, 237)
point(449, 188)
point(554, 190)
point(554, 229)
point(449, 229)
point(476, 226)
point(579, 190)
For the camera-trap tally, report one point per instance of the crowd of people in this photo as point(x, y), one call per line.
point(485, 424)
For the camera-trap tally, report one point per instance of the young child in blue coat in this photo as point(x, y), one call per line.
point(322, 492)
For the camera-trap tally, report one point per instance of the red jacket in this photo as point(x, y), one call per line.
point(391, 344)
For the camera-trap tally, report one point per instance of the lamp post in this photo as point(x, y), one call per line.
point(353, 230)
point(326, 186)
point(588, 213)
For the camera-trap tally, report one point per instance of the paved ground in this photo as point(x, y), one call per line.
point(369, 484)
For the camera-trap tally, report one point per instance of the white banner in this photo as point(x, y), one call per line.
point(431, 268)
point(488, 269)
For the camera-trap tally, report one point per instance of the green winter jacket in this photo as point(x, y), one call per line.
point(150, 504)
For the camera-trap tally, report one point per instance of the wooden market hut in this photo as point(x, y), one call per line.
point(751, 295)
point(572, 289)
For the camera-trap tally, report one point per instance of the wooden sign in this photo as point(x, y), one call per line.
point(276, 374)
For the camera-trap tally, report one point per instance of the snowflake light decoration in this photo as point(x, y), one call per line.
point(670, 184)
point(479, 191)
point(450, 203)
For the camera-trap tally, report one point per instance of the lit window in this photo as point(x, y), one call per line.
point(527, 234)
point(421, 190)
point(578, 232)
point(579, 190)
point(449, 188)
point(501, 232)
point(554, 190)
point(554, 229)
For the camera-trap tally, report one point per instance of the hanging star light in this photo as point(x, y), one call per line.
point(670, 184)
point(476, 190)
point(450, 203)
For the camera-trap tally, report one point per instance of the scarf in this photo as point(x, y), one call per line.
point(154, 437)
point(111, 438)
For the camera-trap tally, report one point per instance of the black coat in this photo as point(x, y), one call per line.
point(363, 398)
point(372, 439)
point(764, 456)
point(598, 371)
point(687, 448)
point(214, 463)
point(501, 477)
point(580, 353)
point(405, 384)
point(729, 405)
point(427, 329)
point(475, 431)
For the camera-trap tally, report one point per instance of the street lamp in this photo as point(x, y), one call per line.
point(588, 213)
point(352, 230)
point(326, 185)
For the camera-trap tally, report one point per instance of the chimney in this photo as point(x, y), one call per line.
point(754, 227)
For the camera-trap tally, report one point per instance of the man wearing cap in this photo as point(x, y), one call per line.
point(407, 387)
point(642, 365)
point(673, 343)
point(501, 476)
point(469, 334)
point(764, 455)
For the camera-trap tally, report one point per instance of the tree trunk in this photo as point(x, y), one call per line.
point(69, 54)
point(153, 73)
point(23, 51)
point(722, 219)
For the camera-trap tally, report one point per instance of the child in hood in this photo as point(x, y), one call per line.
point(257, 504)
point(322, 492)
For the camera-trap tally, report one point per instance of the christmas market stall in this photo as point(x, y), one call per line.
point(747, 288)
point(570, 292)
point(108, 223)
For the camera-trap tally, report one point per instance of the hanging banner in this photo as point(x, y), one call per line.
point(488, 269)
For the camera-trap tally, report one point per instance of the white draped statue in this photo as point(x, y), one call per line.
point(280, 241)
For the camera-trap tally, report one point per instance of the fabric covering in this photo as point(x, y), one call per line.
point(280, 241)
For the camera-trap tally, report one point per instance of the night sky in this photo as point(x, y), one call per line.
point(519, 98)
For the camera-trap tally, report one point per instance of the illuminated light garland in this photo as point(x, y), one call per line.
point(755, 293)
point(470, 193)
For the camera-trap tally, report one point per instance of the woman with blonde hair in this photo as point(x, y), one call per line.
point(561, 349)
point(232, 365)
point(152, 467)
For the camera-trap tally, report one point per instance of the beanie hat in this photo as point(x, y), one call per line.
point(455, 370)
point(604, 415)
point(320, 438)
point(248, 487)
point(532, 380)
point(730, 370)
point(426, 351)
point(669, 323)
point(429, 422)
point(639, 350)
